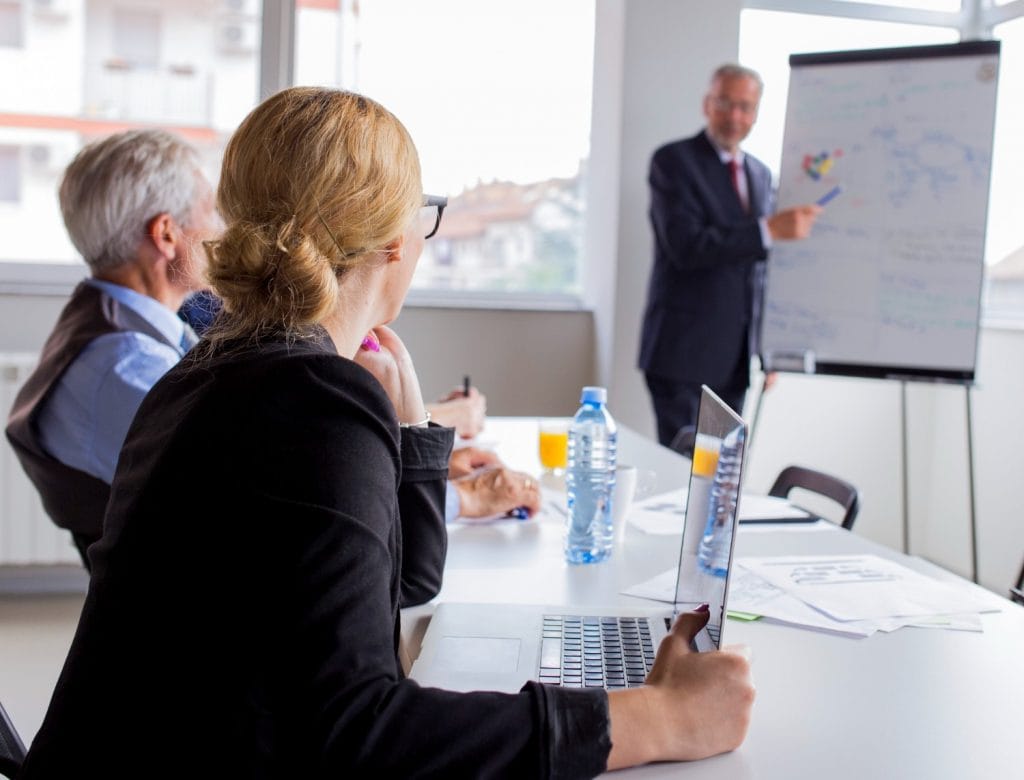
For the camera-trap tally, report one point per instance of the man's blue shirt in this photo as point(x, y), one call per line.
point(452, 505)
point(86, 418)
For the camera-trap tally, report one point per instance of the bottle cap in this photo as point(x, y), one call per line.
point(593, 395)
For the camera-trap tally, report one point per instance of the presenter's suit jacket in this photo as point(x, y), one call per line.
point(704, 296)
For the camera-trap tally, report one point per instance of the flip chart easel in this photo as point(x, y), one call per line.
point(905, 464)
point(896, 144)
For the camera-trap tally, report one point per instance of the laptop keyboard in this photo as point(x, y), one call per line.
point(715, 632)
point(595, 652)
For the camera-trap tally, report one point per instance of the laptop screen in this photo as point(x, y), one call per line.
point(712, 509)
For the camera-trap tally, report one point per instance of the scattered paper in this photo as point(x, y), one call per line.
point(757, 507)
point(862, 587)
point(752, 595)
point(663, 514)
point(661, 587)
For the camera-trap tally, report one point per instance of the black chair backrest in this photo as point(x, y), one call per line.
point(12, 749)
point(840, 491)
point(684, 441)
point(1017, 591)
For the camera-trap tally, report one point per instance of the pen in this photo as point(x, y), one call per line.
point(519, 513)
point(465, 385)
point(828, 196)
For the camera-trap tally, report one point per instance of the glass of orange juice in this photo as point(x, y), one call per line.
point(705, 455)
point(553, 444)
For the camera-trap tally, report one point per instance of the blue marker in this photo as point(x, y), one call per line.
point(519, 513)
point(824, 199)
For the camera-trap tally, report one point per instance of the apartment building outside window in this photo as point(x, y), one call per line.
point(87, 69)
point(497, 97)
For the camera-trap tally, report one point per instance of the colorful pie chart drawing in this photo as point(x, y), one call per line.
point(818, 165)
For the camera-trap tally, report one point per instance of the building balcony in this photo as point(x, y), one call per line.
point(175, 95)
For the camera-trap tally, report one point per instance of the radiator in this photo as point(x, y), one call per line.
point(27, 535)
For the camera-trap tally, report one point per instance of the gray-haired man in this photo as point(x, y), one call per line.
point(137, 207)
point(714, 221)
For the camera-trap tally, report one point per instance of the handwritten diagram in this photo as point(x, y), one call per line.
point(891, 275)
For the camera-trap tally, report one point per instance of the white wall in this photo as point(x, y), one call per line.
point(669, 49)
point(525, 362)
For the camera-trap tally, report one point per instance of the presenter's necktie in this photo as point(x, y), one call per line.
point(735, 172)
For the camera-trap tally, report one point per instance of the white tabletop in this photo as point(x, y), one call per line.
point(916, 703)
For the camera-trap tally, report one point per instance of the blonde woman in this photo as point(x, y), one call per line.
point(243, 616)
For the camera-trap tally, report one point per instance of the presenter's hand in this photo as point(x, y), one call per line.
point(793, 224)
point(465, 460)
point(694, 705)
point(393, 367)
point(495, 491)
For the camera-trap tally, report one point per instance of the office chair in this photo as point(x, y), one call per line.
point(684, 440)
point(12, 749)
point(840, 491)
point(1017, 591)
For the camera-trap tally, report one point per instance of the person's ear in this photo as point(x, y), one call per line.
point(394, 250)
point(162, 232)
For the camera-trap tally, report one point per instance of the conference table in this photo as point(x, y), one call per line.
point(913, 703)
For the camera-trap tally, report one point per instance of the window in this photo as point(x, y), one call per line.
point(497, 98)
point(1004, 247)
point(96, 68)
point(496, 94)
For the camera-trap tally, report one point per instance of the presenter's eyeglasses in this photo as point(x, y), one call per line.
point(430, 213)
point(726, 106)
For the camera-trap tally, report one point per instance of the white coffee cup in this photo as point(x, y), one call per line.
point(622, 496)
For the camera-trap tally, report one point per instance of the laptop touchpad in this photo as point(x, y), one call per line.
point(477, 654)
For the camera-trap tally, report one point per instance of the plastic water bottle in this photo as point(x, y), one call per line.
point(589, 480)
point(713, 553)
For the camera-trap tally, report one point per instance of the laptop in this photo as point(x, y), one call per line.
point(499, 647)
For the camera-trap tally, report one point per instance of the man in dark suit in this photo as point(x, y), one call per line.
point(711, 210)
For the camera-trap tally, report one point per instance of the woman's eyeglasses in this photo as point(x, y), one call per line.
point(430, 214)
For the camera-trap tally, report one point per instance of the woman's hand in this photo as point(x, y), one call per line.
point(393, 367)
point(495, 491)
point(694, 705)
point(466, 460)
point(464, 413)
